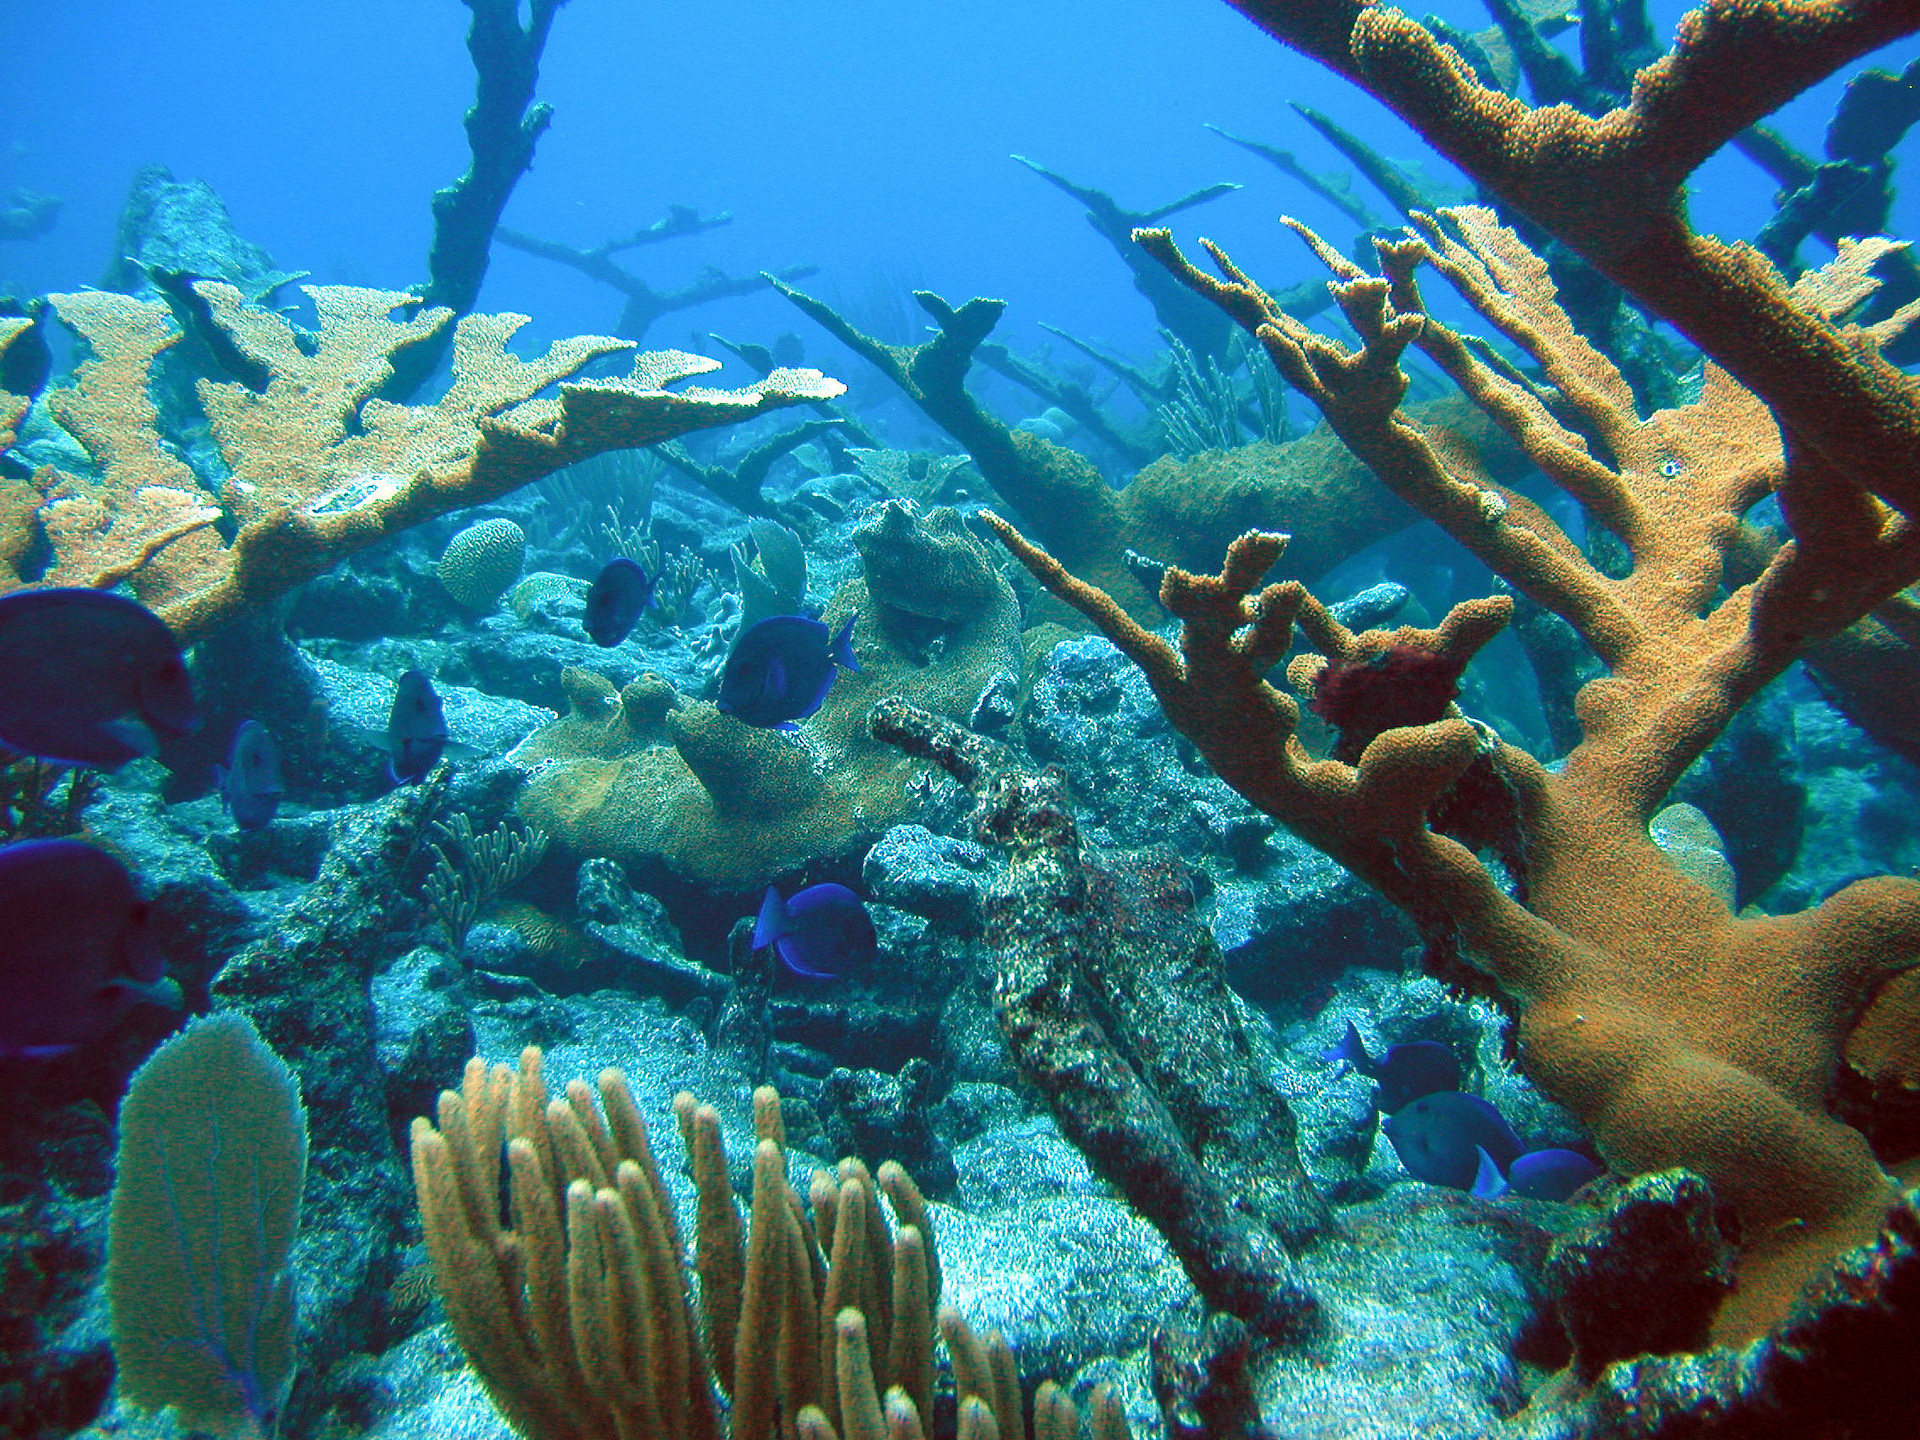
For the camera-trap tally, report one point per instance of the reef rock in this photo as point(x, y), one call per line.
point(652, 779)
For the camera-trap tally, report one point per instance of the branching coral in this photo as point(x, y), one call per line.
point(319, 466)
point(1173, 512)
point(1610, 187)
point(1682, 1035)
point(579, 1316)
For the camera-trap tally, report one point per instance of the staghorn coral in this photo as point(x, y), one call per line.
point(1682, 1035)
point(650, 777)
point(319, 466)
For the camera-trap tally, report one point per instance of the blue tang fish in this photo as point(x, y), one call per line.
point(1536, 1175)
point(91, 678)
point(250, 783)
point(781, 669)
point(416, 729)
point(78, 948)
point(1404, 1073)
point(1439, 1138)
point(822, 932)
point(615, 600)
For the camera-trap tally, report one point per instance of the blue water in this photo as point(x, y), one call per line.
point(870, 139)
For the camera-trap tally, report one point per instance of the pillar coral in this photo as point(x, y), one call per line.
point(318, 466)
point(1681, 1034)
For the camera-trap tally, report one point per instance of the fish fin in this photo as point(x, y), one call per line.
point(843, 646)
point(790, 727)
point(771, 923)
point(1488, 1182)
point(36, 1052)
point(1352, 1050)
point(164, 992)
point(134, 733)
point(787, 951)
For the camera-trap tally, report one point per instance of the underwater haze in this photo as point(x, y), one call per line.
point(770, 721)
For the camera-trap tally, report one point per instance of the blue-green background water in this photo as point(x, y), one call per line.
point(868, 138)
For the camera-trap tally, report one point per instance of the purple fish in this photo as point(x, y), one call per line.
point(250, 783)
point(416, 729)
point(1537, 1175)
point(821, 933)
point(78, 947)
point(1438, 1138)
point(91, 678)
point(1404, 1073)
point(781, 669)
point(615, 600)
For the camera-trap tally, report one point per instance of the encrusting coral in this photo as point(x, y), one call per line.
point(814, 1321)
point(650, 777)
point(1682, 1035)
point(318, 466)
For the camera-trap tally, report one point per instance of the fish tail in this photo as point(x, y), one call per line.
point(1353, 1050)
point(1488, 1182)
point(843, 645)
point(771, 923)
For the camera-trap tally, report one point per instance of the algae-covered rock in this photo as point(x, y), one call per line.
point(650, 778)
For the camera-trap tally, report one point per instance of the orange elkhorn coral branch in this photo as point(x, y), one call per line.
point(1682, 1035)
point(319, 466)
point(1609, 186)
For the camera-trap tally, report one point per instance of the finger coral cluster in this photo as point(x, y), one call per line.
point(815, 1319)
point(315, 465)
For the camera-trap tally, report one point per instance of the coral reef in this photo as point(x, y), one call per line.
point(653, 779)
point(1607, 925)
point(317, 465)
point(1175, 511)
point(1505, 756)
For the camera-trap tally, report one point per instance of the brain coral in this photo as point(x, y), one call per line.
point(649, 777)
point(482, 561)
